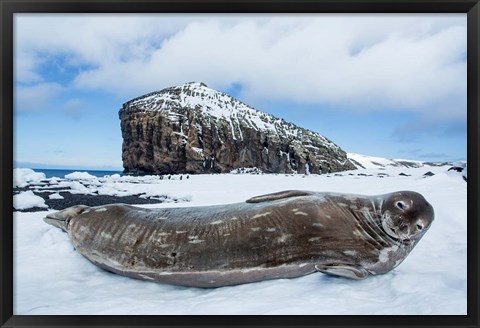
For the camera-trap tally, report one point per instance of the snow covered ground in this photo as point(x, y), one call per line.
point(51, 278)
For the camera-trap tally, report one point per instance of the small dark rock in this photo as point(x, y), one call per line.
point(456, 169)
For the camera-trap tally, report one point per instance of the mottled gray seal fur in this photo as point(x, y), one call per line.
point(281, 235)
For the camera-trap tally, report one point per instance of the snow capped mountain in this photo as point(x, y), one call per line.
point(372, 162)
point(220, 106)
point(191, 127)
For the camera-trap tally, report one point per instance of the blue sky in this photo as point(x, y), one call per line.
point(382, 85)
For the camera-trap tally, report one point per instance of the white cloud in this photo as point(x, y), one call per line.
point(25, 67)
point(411, 62)
point(45, 96)
point(35, 97)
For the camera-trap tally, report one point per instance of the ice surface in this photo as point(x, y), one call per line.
point(79, 176)
point(27, 199)
point(22, 177)
point(56, 196)
point(51, 278)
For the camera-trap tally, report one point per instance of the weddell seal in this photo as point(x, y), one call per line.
point(280, 235)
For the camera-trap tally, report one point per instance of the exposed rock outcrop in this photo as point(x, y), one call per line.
point(195, 129)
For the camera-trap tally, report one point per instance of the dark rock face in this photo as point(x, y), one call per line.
point(194, 129)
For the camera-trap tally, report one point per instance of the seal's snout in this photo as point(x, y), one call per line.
point(408, 215)
point(62, 218)
point(57, 220)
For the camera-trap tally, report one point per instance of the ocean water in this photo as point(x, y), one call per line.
point(50, 173)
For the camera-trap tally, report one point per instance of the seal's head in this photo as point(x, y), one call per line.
point(62, 218)
point(406, 215)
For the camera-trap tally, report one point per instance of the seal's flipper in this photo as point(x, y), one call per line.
point(346, 271)
point(278, 195)
point(61, 219)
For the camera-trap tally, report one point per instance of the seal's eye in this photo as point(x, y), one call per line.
point(419, 226)
point(401, 205)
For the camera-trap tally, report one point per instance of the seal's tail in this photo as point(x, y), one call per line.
point(61, 218)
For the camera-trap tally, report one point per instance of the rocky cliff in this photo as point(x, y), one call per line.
point(194, 129)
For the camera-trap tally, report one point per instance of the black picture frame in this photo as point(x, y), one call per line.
point(8, 8)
